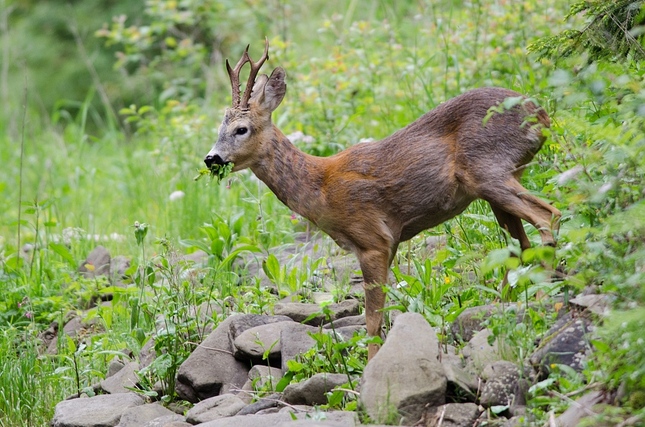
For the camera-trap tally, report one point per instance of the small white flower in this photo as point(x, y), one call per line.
point(176, 195)
point(567, 176)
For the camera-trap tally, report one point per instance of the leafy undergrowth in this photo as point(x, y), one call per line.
point(362, 75)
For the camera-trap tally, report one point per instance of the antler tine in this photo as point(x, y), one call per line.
point(255, 67)
point(234, 75)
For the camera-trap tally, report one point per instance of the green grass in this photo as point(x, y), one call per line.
point(356, 70)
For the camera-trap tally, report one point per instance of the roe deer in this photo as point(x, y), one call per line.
point(372, 196)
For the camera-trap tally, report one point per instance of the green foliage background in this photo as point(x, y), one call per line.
point(108, 108)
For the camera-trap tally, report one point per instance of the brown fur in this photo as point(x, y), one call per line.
point(372, 196)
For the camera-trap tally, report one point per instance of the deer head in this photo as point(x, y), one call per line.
point(247, 123)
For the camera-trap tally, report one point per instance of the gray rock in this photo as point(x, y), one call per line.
point(271, 401)
point(198, 258)
point(346, 332)
point(479, 353)
point(264, 376)
point(147, 355)
point(295, 340)
point(358, 320)
point(261, 379)
point(225, 405)
point(302, 311)
point(114, 367)
point(470, 321)
point(211, 367)
point(502, 384)
point(574, 415)
point(102, 410)
point(458, 376)
point(596, 303)
point(174, 420)
point(566, 343)
point(340, 418)
point(139, 415)
point(254, 342)
point(96, 264)
point(242, 322)
point(515, 421)
point(125, 377)
point(405, 375)
point(74, 326)
point(118, 266)
point(313, 391)
point(452, 415)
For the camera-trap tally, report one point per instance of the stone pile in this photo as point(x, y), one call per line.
point(414, 379)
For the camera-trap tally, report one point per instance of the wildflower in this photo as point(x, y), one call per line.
point(29, 315)
point(176, 195)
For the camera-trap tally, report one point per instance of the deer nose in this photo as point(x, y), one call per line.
point(211, 160)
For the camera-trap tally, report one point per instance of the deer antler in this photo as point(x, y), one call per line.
point(234, 75)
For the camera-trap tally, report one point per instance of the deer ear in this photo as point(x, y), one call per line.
point(274, 90)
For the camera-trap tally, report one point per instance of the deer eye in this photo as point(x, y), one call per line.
point(241, 131)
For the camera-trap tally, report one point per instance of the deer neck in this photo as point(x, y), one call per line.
point(293, 176)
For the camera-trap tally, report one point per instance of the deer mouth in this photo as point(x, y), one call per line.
point(214, 161)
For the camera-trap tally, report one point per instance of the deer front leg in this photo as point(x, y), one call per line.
point(374, 265)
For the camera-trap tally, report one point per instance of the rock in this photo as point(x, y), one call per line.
point(74, 326)
point(148, 354)
point(575, 413)
point(49, 338)
point(470, 321)
point(338, 418)
point(456, 375)
point(322, 297)
point(271, 401)
point(302, 311)
point(101, 410)
point(596, 303)
point(566, 343)
point(501, 386)
point(358, 320)
point(261, 378)
point(253, 343)
point(198, 258)
point(125, 377)
point(174, 420)
point(479, 353)
point(313, 391)
point(451, 415)
point(118, 266)
point(514, 422)
point(264, 377)
point(242, 322)
point(139, 415)
point(295, 340)
point(211, 367)
point(345, 333)
point(114, 367)
point(96, 264)
point(225, 405)
point(405, 374)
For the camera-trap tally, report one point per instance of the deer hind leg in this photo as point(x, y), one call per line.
point(374, 265)
point(513, 225)
point(515, 201)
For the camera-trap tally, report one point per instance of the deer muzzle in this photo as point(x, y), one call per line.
point(213, 159)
